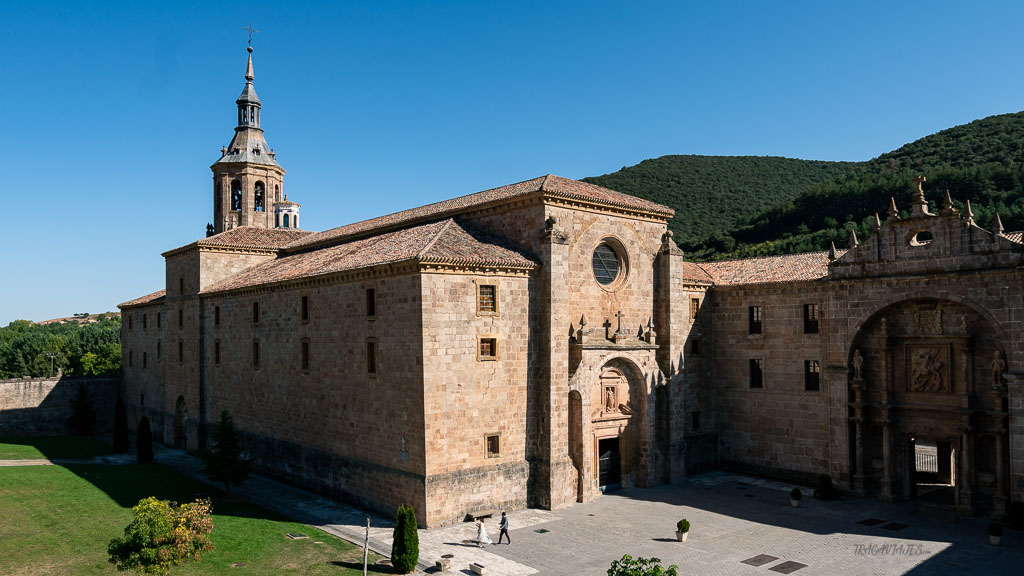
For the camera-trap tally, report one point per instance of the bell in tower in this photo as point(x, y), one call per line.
point(247, 180)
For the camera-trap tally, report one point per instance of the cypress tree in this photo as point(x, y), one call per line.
point(144, 442)
point(225, 463)
point(121, 443)
point(405, 551)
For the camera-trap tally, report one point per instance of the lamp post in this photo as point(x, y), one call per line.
point(51, 356)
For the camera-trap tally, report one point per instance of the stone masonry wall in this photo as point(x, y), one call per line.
point(42, 406)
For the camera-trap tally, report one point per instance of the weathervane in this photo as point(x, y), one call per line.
point(251, 31)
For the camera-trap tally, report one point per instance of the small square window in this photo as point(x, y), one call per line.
point(371, 356)
point(493, 443)
point(305, 355)
point(216, 352)
point(488, 349)
point(487, 299)
point(305, 308)
point(371, 303)
point(255, 312)
point(810, 318)
point(694, 308)
point(255, 353)
point(695, 421)
point(756, 373)
point(216, 315)
point(812, 376)
point(756, 319)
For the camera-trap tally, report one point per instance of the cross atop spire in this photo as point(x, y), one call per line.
point(251, 31)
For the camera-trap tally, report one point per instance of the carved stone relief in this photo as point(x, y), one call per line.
point(929, 368)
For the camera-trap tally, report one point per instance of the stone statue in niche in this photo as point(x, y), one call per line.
point(858, 365)
point(930, 321)
point(963, 323)
point(609, 399)
point(998, 367)
point(928, 369)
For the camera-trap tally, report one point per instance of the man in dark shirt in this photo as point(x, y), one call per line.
point(504, 529)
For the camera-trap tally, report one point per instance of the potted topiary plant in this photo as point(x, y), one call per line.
point(795, 496)
point(682, 529)
point(995, 531)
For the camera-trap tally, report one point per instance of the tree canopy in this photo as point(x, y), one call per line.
point(80, 349)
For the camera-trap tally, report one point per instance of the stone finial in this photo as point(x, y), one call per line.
point(878, 222)
point(583, 334)
point(947, 205)
point(998, 225)
point(668, 245)
point(249, 75)
point(553, 232)
point(918, 204)
point(853, 239)
point(583, 321)
point(893, 212)
point(650, 334)
point(223, 150)
point(832, 253)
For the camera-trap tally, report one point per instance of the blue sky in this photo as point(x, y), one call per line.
point(110, 113)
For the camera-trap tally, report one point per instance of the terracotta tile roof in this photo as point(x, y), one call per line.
point(147, 299)
point(445, 241)
point(769, 269)
point(553, 185)
point(1014, 236)
point(252, 237)
point(693, 272)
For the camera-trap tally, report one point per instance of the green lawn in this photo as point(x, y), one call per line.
point(59, 520)
point(18, 448)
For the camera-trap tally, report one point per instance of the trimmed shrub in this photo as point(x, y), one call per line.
point(628, 566)
point(995, 529)
point(825, 490)
point(163, 534)
point(121, 443)
point(683, 525)
point(405, 551)
point(796, 494)
point(144, 442)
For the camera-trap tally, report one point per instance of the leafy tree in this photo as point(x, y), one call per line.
point(224, 463)
point(628, 566)
point(405, 550)
point(121, 442)
point(144, 442)
point(163, 534)
point(82, 417)
point(81, 348)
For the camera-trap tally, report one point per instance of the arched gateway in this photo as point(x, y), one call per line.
point(928, 406)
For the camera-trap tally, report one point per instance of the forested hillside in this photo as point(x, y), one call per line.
point(711, 194)
point(982, 161)
point(81, 349)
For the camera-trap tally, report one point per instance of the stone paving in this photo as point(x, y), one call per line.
point(739, 525)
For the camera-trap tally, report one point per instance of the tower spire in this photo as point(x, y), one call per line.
point(249, 76)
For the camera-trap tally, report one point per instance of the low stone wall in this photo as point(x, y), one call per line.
point(42, 406)
point(450, 497)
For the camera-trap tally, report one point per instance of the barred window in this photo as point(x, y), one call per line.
point(493, 444)
point(694, 308)
point(756, 319)
point(488, 349)
point(487, 299)
point(810, 318)
point(812, 376)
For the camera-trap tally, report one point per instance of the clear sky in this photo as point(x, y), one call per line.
point(111, 113)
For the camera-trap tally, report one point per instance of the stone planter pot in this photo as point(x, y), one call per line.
point(994, 540)
point(794, 503)
point(681, 536)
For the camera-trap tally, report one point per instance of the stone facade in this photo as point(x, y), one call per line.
point(43, 406)
point(540, 343)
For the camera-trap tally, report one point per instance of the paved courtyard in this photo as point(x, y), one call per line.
point(739, 525)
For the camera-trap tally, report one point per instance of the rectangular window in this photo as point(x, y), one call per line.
point(488, 349)
point(158, 316)
point(255, 312)
point(181, 351)
point(130, 320)
point(756, 319)
point(695, 346)
point(371, 356)
point(694, 308)
point(305, 308)
point(695, 421)
point(255, 353)
point(144, 323)
point(181, 318)
point(216, 315)
point(371, 302)
point(129, 358)
point(493, 443)
point(756, 373)
point(158, 352)
point(305, 356)
point(216, 352)
point(144, 362)
point(810, 318)
point(812, 376)
point(487, 299)
point(181, 285)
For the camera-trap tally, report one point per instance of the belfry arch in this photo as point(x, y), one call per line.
point(926, 401)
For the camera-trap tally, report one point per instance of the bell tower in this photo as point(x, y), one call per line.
point(247, 180)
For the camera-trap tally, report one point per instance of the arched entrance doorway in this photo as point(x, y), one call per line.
point(927, 416)
point(180, 424)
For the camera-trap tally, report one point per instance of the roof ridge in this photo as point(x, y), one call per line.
point(423, 252)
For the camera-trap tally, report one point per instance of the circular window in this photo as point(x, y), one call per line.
point(607, 264)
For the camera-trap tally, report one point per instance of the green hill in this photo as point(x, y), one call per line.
point(749, 206)
point(712, 194)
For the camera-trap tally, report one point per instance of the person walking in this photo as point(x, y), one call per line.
point(504, 529)
point(481, 534)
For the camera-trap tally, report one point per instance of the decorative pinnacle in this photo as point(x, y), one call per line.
point(999, 224)
point(968, 213)
point(249, 76)
point(832, 255)
point(853, 238)
point(947, 204)
point(583, 321)
point(878, 221)
point(893, 212)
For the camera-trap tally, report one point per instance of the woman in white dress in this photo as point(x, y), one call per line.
point(481, 534)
